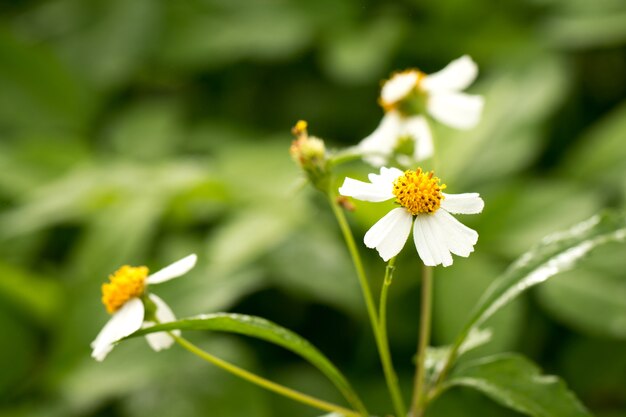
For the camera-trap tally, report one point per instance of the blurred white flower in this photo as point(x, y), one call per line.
point(122, 297)
point(436, 233)
point(408, 96)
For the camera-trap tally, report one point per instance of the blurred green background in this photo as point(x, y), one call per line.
point(139, 131)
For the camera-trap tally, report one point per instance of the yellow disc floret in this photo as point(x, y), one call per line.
point(126, 283)
point(419, 192)
point(399, 87)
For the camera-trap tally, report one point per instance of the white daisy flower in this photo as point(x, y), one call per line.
point(425, 207)
point(410, 94)
point(122, 297)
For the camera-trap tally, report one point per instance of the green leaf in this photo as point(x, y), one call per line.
point(556, 253)
point(260, 328)
point(436, 356)
point(455, 296)
point(517, 383)
point(592, 298)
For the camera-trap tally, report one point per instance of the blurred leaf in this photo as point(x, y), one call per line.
point(36, 297)
point(104, 41)
point(57, 201)
point(249, 235)
point(147, 130)
point(601, 150)
point(260, 328)
point(18, 352)
point(518, 99)
point(213, 289)
point(515, 219)
point(202, 389)
point(208, 34)
point(355, 55)
point(556, 253)
point(314, 263)
point(583, 24)
point(134, 374)
point(596, 369)
point(122, 231)
point(38, 93)
point(589, 298)
point(517, 383)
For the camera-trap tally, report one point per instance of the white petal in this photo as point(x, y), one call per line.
point(417, 128)
point(378, 146)
point(124, 322)
point(420, 237)
point(386, 177)
point(429, 242)
point(458, 110)
point(468, 203)
point(456, 76)
point(390, 233)
point(380, 189)
point(161, 340)
point(459, 238)
point(174, 270)
point(439, 239)
point(398, 86)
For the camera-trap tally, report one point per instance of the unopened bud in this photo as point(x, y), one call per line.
point(309, 152)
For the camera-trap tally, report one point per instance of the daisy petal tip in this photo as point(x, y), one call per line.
point(159, 341)
point(174, 270)
point(385, 258)
point(100, 353)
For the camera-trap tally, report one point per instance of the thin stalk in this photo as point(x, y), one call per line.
point(383, 350)
point(451, 358)
point(358, 264)
point(384, 346)
point(265, 383)
point(419, 394)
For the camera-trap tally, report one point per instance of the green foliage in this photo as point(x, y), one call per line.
point(137, 132)
point(517, 383)
point(556, 253)
point(260, 328)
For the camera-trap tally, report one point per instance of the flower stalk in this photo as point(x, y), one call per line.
point(265, 383)
point(420, 398)
point(381, 339)
point(382, 325)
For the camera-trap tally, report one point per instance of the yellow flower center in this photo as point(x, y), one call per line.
point(418, 192)
point(300, 128)
point(404, 84)
point(126, 283)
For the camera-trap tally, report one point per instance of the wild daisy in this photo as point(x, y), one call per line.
point(425, 207)
point(408, 96)
point(132, 306)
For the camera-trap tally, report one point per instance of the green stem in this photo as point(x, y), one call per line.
point(390, 373)
point(419, 394)
point(383, 350)
point(451, 358)
point(262, 382)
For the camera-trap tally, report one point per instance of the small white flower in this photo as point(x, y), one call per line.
point(122, 298)
point(393, 128)
point(424, 206)
point(438, 95)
